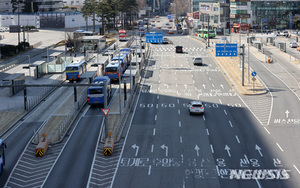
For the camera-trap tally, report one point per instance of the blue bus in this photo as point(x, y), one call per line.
point(127, 52)
point(123, 59)
point(142, 31)
point(96, 93)
point(75, 70)
point(2, 154)
point(112, 70)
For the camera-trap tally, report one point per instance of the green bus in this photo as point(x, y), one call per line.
point(204, 34)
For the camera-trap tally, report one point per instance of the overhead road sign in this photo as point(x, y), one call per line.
point(226, 50)
point(154, 37)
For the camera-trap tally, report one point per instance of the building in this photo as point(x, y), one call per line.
point(275, 14)
point(213, 15)
point(240, 15)
point(32, 6)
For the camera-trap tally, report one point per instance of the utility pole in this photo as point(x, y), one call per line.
point(208, 30)
point(243, 70)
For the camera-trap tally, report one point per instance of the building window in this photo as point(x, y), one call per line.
point(216, 19)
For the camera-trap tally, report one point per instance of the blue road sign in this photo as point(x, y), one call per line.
point(154, 37)
point(226, 50)
point(169, 16)
point(253, 73)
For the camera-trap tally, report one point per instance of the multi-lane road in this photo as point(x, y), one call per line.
point(234, 144)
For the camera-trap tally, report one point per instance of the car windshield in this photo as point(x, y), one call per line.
point(198, 58)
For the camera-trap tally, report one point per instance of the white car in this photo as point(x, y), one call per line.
point(197, 61)
point(196, 107)
point(293, 45)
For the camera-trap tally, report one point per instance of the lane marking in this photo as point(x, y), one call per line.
point(225, 112)
point(156, 105)
point(209, 78)
point(259, 185)
point(178, 111)
point(155, 117)
point(179, 123)
point(212, 149)
point(157, 97)
point(149, 171)
point(213, 85)
point(194, 81)
point(154, 131)
point(220, 101)
point(230, 124)
point(267, 130)
point(279, 147)
point(177, 100)
point(180, 139)
point(152, 147)
point(204, 117)
point(207, 132)
point(237, 138)
point(296, 169)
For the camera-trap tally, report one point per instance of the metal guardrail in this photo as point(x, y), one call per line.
point(22, 58)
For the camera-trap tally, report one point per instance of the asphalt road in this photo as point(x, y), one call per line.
point(226, 147)
point(231, 145)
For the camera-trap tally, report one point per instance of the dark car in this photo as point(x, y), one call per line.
point(179, 49)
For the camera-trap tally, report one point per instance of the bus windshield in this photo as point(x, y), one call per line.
point(95, 91)
point(111, 69)
point(71, 68)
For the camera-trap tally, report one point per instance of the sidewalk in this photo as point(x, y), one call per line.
point(230, 68)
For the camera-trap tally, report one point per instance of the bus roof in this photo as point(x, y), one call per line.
point(113, 64)
point(101, 79)
point(125, 50)
point(76, 64)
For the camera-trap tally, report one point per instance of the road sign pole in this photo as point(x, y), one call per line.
point(243, 65)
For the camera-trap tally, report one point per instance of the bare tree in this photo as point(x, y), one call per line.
point(179, 7)
point(141, 4)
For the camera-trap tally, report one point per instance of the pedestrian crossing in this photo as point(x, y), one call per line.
point(172, 49)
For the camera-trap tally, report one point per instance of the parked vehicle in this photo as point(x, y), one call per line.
point(293, 45)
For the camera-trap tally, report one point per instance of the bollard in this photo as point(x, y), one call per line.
point(108, 146)
point(42, 147)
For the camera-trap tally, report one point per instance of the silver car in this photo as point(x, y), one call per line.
point(196, 107)
point(197, 61)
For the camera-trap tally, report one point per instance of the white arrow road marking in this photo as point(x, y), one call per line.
point(197, 150)
point(258, 149)
point(136, 149)
point(222, 86)
point(228, 148)
point(165, 147)
point(203, 86)
point(287, 113)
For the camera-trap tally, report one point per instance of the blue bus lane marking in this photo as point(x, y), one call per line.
point(204, 168)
